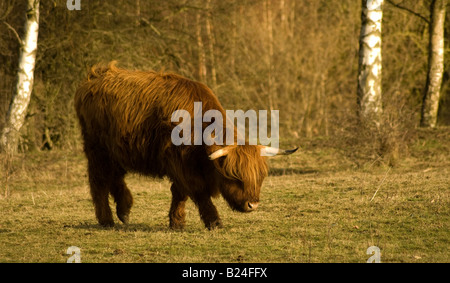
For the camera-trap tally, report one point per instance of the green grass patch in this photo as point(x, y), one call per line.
point(314, 208)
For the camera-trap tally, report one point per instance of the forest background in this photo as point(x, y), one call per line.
point(296, 56)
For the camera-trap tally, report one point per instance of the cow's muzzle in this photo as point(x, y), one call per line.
point(250, 206)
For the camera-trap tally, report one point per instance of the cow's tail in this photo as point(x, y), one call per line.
point(99, 70)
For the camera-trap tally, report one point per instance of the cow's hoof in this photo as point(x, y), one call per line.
point(214, 225)
point(106, 223)
point(177, 226)
point(125, 218)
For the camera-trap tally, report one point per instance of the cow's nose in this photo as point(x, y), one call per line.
point(252, 205)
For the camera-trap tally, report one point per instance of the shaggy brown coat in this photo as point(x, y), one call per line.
point(125, 119)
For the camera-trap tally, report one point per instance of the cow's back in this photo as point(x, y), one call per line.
point(127, 114)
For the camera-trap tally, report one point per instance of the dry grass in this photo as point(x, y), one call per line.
point(314, 209)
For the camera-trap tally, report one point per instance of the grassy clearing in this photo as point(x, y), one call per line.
point(315, 207)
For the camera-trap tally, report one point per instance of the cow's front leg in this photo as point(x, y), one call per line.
point(177, 214)
point(208, 212)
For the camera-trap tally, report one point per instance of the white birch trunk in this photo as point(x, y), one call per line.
point(431, 97)
point(369, 75)
point(25, 74)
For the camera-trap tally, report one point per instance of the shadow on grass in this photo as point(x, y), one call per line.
point(291, 171)
point(132, 227)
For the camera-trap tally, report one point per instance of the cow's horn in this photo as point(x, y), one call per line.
point(219, 153)
point(272, 151)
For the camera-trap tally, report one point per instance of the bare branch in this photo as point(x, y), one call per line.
point(408, 10)
point(14, 31)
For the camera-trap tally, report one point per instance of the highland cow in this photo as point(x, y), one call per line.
point(125, 119)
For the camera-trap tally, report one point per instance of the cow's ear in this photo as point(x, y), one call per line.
point(219, 153)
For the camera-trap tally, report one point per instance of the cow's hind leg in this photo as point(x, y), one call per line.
point(177, 214)
point(122, 195)
point(99, 174)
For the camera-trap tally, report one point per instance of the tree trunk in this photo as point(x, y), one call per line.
point(201, 50)
point(369, 74)
point(432, 91)
point(233, 40)
point(269, 27)
point(21, 97)
point(211, 43)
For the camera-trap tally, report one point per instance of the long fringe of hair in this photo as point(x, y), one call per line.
point(244, 163)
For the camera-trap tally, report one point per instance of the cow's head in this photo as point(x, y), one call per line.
point(242, 169)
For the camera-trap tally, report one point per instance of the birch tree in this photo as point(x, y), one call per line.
point(432, 92)
point(21, 97)
point(369, 73)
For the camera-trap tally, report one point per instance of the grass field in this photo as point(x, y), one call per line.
point(316, 206)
